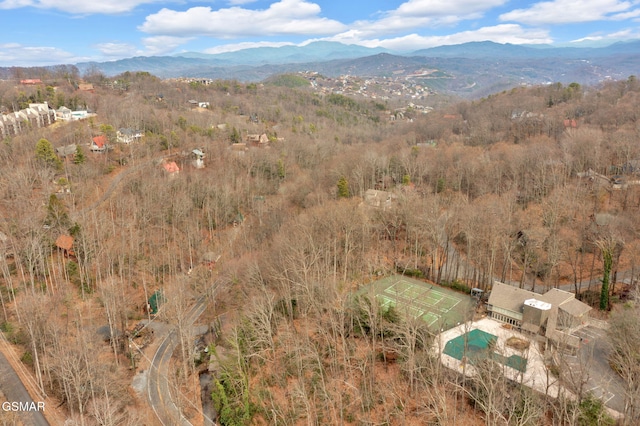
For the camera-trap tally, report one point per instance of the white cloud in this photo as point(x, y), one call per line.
point(162, 45)
point(439, 8)
point(632, 14)
point(15, 54)
point(239, 2)
point(505, 33)
point(245, 45)
point(623, 34)
point(117, 50)
point(424, 13)
point(568, 11)
point(286, 17)
point(79, 7)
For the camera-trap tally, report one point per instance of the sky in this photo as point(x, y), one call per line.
point(50, 32)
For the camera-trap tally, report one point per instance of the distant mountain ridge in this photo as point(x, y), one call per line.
point(483, 66)
point(312, 52)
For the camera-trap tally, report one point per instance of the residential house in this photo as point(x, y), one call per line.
point(10, 125)
point(171, 168)
point(128, 135)
point(64, 243)
point(98, 144)
point(198, 159)
point(36, 116)
point(31, 81)
point(67, 151)
point(63, 113)
point(260, 141)
point(554, 314)
point(43, 115)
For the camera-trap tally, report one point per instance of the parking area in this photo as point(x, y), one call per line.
point(593, 357)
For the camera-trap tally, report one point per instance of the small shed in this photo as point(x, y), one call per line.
point(155, 301)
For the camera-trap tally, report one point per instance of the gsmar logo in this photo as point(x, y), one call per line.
point(22, 406)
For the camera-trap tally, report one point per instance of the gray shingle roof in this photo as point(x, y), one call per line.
point(509, 297)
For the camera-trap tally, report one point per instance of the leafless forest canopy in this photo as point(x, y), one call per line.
point(523, 186)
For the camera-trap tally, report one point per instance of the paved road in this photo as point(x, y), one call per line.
point(158, 386)
point(15, 391)
point(602, 381)
point(459, 268)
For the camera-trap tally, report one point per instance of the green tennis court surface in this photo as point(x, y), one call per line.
point(439, 307)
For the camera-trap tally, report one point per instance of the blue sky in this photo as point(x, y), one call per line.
point(47, 32)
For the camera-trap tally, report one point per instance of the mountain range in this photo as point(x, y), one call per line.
point(470, 69)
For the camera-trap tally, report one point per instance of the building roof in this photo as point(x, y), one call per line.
point(557, 297)
point(100, 141)
point(512, 298)
point(538, 304)
point(509, 297)
point(575, 307)
point(66, 150)
point(171, 167)
point(64, 242)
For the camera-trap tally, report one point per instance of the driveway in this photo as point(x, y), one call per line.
point(593, 355)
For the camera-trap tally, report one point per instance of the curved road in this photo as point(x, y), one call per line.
point(158, 386)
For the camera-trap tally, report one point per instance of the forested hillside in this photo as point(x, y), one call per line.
point(537, 187)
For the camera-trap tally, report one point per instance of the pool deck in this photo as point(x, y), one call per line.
point(536, 375)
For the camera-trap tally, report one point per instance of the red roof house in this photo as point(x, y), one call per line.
point(99, 143)
point(65, 244)
point(171, 168)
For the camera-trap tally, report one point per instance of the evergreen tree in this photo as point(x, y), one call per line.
point(57, 215)
point(343, 188)
point(78, 157)
point(46, 154)
point(235, 136)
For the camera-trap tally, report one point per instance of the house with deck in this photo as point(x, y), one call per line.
point(554, 315)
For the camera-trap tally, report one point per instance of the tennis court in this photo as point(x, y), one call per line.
point(440, 308)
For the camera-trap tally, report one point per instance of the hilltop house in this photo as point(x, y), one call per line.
point(98, 144)
point(171, 168)
point(66, 150)
point(64, 243)
point(198, 158)
point(127, 135)
point(258, 140)
point(554, 314)
point(63, 113)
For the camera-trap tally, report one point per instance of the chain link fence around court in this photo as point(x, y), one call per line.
point(439, 307)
